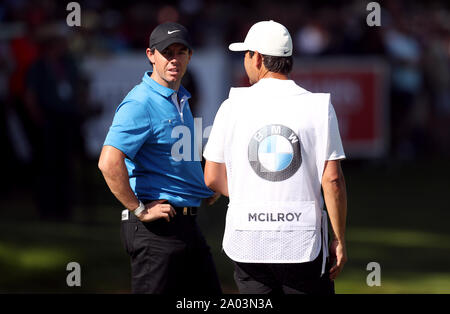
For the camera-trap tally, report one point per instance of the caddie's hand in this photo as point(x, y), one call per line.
point(156, 210)
point(338, 257)
point(211, 200)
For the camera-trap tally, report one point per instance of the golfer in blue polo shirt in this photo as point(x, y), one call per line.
point(160, 190)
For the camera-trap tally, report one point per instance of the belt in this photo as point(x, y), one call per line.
point(187, 210)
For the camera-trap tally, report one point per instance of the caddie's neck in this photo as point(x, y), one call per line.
point(264, 73)
point(256, 71)
point(274, 75)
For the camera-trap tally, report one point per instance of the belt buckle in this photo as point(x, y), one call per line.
point(189, 211)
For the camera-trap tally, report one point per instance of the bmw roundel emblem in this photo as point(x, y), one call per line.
point(274, 152)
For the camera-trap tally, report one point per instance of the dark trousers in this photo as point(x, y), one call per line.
point(283, 278)
point(169, 257)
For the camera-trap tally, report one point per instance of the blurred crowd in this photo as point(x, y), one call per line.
point(44, 92)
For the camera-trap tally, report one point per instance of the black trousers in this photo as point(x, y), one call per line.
point(169, 257)
point(283, 278)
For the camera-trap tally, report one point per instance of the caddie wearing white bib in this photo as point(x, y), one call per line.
point(273, 146)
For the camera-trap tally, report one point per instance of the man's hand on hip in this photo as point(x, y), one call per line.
point(156, 210)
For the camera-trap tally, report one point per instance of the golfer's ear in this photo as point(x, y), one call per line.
point(150, 55)
point(258, 59)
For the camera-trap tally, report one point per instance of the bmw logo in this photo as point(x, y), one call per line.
point(274, 152)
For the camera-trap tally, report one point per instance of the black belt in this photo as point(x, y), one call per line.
point(187, 210)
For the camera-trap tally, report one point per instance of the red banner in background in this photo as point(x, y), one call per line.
point(359, 94)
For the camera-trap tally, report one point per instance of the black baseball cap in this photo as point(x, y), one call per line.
point(169, 33)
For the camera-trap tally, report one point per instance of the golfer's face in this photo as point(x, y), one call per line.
point(171, 63)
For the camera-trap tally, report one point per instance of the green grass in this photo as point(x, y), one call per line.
point(36, 260)
point(398, 217)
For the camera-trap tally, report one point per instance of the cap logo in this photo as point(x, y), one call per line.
point(171, 32)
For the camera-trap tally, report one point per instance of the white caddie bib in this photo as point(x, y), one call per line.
point(274, 139)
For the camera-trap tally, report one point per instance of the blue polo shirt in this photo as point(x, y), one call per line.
point(142, 130)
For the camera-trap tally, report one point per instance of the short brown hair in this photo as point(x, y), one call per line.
point(274, 64)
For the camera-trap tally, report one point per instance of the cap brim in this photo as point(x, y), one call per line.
point(238, 47)
point(166, 43)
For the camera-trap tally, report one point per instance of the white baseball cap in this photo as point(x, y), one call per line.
point(268, 38)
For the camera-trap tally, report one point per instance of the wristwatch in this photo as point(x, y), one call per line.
point(137, 212)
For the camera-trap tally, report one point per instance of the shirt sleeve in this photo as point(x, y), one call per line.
point(335, 151)
point(214, 150)
point(130, 129)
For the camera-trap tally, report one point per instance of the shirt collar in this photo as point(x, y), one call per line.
point(162, 90)
point(286, 86)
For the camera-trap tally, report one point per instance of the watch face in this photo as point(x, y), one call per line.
point(274, 152)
